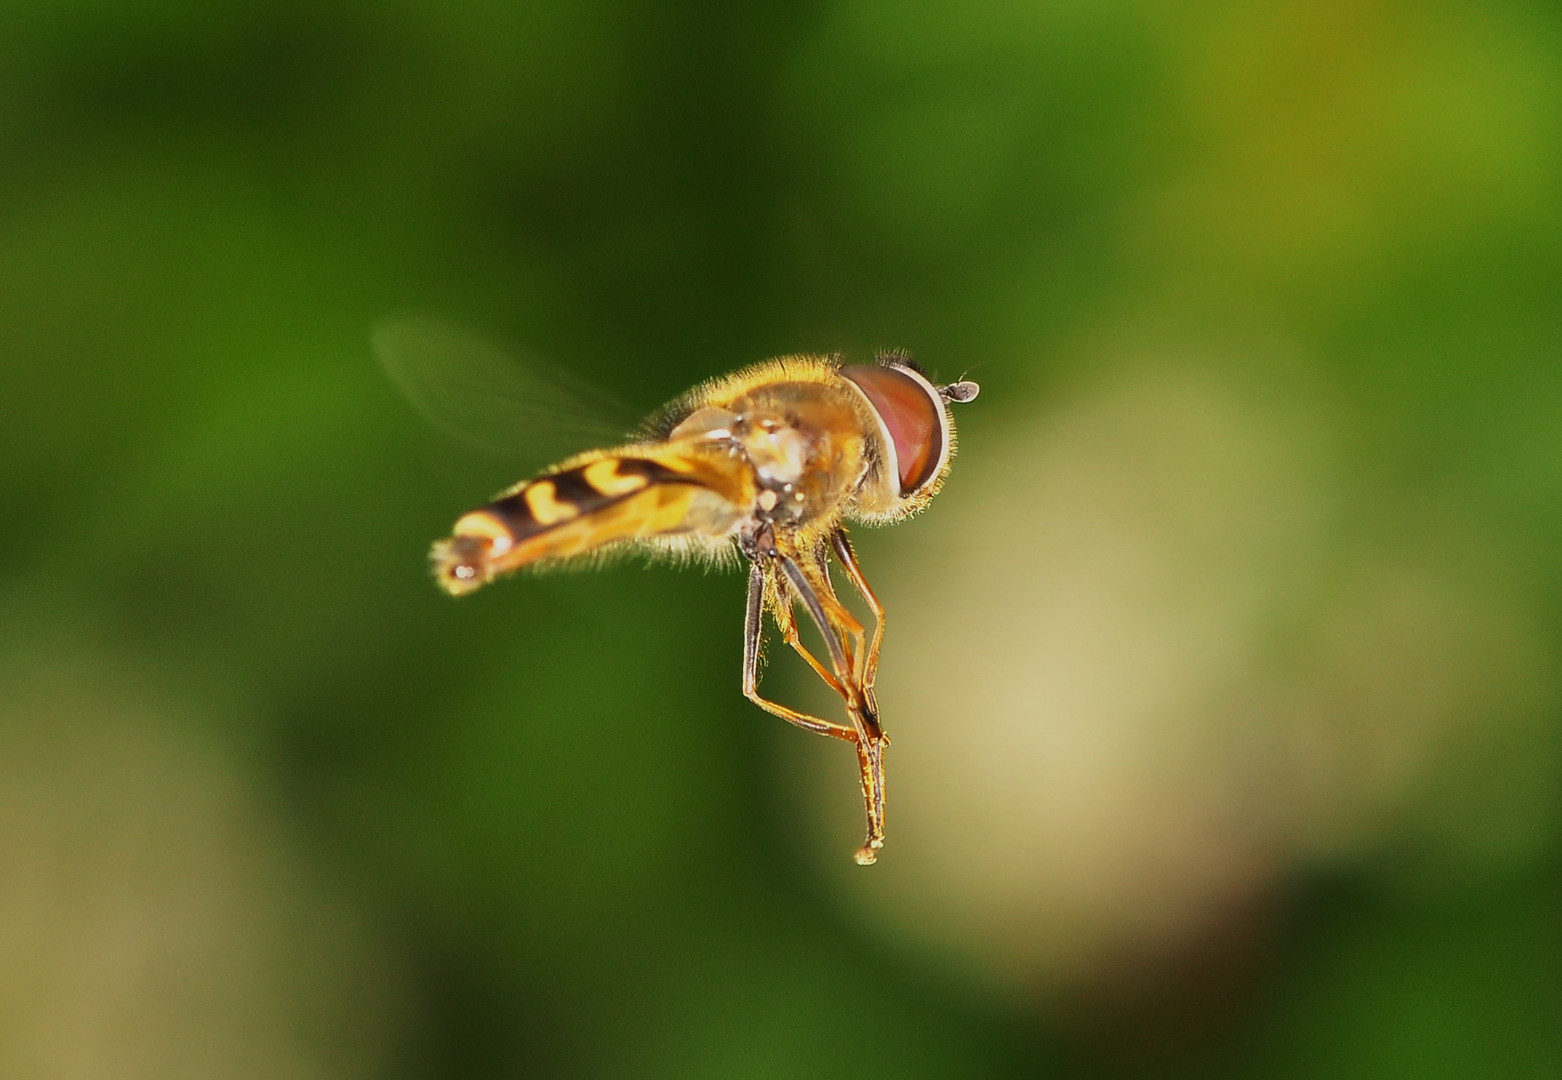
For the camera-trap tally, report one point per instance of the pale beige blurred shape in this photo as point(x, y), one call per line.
point(1141, 668)
point(156, 920)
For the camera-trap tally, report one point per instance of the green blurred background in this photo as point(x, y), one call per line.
point(1222, 677)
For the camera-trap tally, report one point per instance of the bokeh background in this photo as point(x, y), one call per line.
point(1223, 677)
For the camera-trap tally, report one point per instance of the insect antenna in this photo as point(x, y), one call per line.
point(960, 392)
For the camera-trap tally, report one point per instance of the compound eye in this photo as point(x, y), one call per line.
point(911, 413)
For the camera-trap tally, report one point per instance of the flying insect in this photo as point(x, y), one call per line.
point(768, 465)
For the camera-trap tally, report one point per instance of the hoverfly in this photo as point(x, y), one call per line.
point(769, 464)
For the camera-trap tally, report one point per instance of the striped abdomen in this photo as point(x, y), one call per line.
point(614, 497)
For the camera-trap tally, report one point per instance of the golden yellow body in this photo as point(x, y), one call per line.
point(768, 464)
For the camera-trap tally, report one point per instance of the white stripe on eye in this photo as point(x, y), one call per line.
point(942, 409)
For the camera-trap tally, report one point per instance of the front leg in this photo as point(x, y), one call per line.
point(811, 582)
point(848, 559)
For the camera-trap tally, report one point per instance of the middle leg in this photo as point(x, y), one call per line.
point(753, 644)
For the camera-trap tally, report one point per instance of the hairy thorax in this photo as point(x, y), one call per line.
point(802, 442)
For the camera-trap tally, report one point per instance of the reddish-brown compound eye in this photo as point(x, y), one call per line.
point(912, 415)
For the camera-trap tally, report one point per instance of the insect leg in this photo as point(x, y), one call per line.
point(786, 621)
point(848, 558)
point(832, 619)
point(844, 636)
point(753, 640)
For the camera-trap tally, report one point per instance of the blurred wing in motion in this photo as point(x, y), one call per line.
point(493, 397)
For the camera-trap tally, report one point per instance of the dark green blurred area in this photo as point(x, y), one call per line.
point(272, 806)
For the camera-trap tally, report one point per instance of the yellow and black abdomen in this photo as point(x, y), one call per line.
point(583, 506)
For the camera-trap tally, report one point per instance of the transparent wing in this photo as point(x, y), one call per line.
point(492, 396)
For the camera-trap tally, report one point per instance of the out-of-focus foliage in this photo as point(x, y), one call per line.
point(1223, 678)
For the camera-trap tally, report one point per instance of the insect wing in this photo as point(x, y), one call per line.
point(494, 397)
